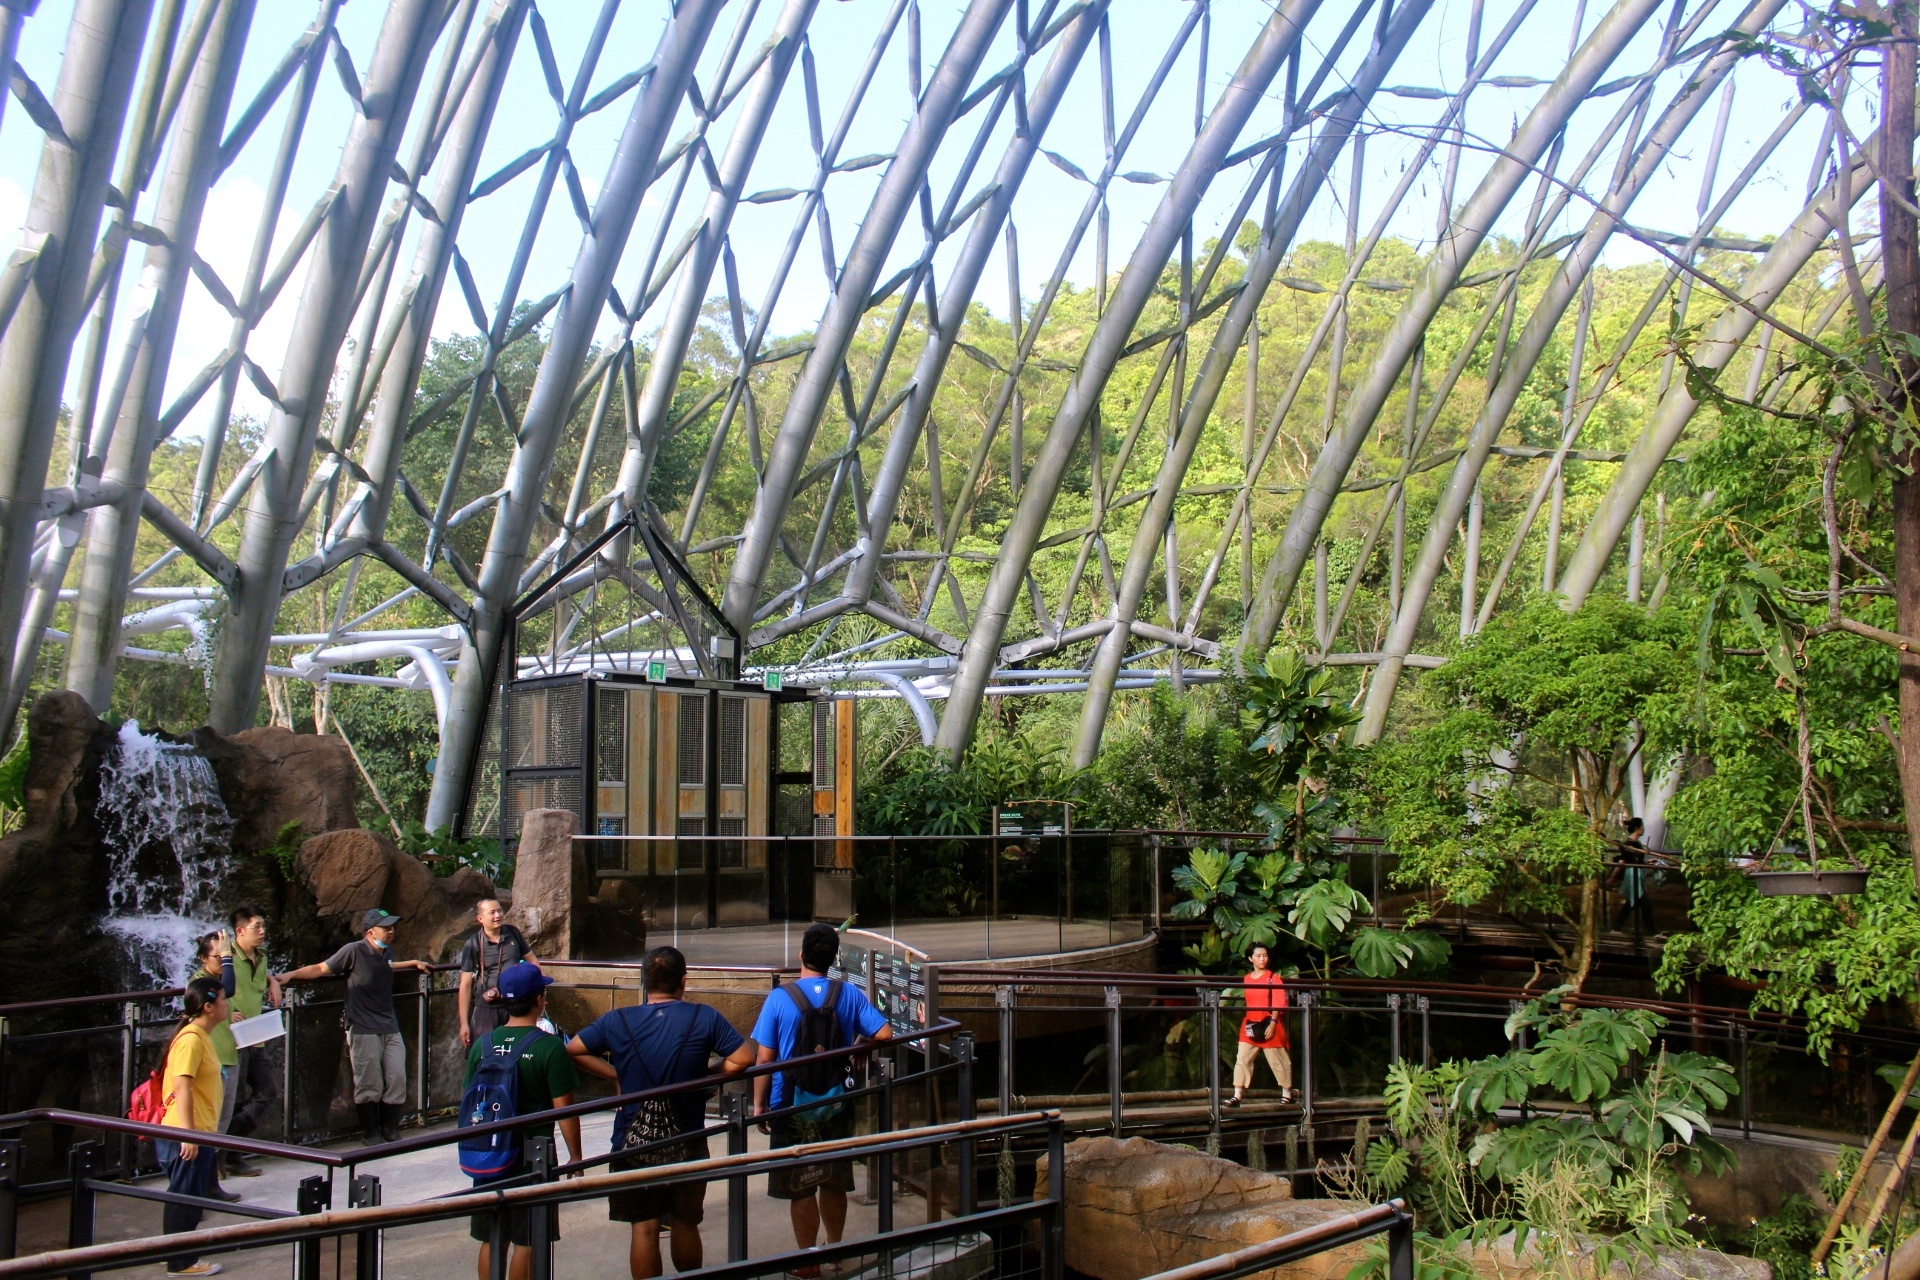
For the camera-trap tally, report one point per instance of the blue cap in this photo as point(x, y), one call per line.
point(523, 981)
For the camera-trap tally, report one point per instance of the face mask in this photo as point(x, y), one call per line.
point(382, 945)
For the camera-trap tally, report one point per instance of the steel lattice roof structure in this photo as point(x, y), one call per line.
point(1163, 162)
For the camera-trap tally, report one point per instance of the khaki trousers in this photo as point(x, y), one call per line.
point(1279, 1061)
point(379, 1068)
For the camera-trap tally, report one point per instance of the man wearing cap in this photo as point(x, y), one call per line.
point(374, 1046)
point(547, 1080)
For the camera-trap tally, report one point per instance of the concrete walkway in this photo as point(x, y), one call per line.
point(589, 1245)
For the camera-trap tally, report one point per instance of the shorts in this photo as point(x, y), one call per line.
point(797, 1182)
point(519, 1221)
point(683, 1201)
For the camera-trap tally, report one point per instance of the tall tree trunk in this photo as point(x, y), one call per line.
point(1900, 262)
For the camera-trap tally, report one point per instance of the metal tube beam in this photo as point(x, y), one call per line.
point(858, 275)
point(958, 292)
point(550, 403)
point(113, 530)
point(69, 194)
point(319, 327)
point(1468, 231)
point(1525, 354)
point(1276, 42)
point(1829, 208)
point(1337, 127)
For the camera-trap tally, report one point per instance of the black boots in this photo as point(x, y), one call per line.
point(369, 1113)
point(390, 1120)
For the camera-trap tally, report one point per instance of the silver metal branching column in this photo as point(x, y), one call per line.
point(319, 327)
point(549, 403)
point(1235, 104)
point(114, 529)
point(63, 218)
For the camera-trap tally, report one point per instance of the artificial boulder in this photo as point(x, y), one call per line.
point(271, 777)
point(347, 871)
point(1135, 1208)
point(441, 917)
point(550, 897)
point(1500, 1261)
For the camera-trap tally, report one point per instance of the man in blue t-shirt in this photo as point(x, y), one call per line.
point(666, 1040)
point(817, 1193)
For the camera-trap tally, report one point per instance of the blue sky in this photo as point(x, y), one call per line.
point(841, 36)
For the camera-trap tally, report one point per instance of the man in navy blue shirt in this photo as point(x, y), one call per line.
point(817, 1193)
point(666, 1040)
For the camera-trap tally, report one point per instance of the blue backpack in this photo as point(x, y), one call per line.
point(494, 1094)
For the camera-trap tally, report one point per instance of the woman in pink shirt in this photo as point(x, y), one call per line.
point(1263, 1029)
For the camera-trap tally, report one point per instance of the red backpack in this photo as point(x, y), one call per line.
point(149, 1102)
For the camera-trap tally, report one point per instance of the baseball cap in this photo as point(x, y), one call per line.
point(377, 919)
point(523, 981)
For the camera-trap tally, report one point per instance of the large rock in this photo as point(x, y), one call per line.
point(441, 917)
point(1498, 1261)
point(1135, 1208)
point(272, 776)
point(550, 903)
point(347, 871)
point(53, 883)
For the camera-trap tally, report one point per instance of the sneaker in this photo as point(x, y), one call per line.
point(197, 1269)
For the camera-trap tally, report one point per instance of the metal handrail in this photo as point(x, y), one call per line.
point(344, 1222)
point(428, 1141)
point(1390, 1219)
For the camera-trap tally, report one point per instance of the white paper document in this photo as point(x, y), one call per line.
point(251, 1031)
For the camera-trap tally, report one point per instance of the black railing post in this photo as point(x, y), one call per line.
point(1006, 997)
point(83, 1161)
point(289, 1012)
point(969, 1188)
point(1393, 1047)
point(881, 1185)
point(9, 1198)
point(312, 1197)
point(129, 1046)
point(1400, 1247)
point(1426, 1032)
point(420, 1045)
point(1114, 1075)
point(363, 1192)
point(1056, 1251)
point(1746, 1094)
point(1306, 1059)
point(737, 1119)
point(1210, 1001)
point(540, 1164)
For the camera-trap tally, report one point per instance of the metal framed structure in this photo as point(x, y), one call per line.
point(492, 379)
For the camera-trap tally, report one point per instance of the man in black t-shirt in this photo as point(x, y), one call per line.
point(494, 946)
point(374, 1046)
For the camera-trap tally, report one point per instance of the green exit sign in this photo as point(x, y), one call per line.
point(771, 681)
point(657, 670)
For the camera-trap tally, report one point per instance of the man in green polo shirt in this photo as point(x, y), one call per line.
point(256, 1078)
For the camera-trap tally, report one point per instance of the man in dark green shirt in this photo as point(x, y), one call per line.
point(547, 1080)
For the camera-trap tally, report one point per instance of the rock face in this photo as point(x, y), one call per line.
point(272, 776)
point(1135, 1208)
point(347, 871)
point(1498, 1262)
point(351, 870)
point(550, 902)
point(52, 886)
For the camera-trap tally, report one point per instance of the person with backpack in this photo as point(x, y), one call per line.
point(374, 1046)
point(493, 946)
point(212, 959)
point(515, 1070)
point(191, 1090)
point(665, 1040)
point(811, 1015)
point(1263, 1028)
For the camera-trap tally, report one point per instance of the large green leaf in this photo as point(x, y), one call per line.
point(1380, 953)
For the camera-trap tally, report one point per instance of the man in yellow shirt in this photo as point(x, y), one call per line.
point(192, 1077)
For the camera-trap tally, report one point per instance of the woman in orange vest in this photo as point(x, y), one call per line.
point(1263, 1028)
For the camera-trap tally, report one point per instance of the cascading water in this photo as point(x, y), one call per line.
point(166, 833)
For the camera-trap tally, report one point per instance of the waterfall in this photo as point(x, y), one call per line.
point(166, 832)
